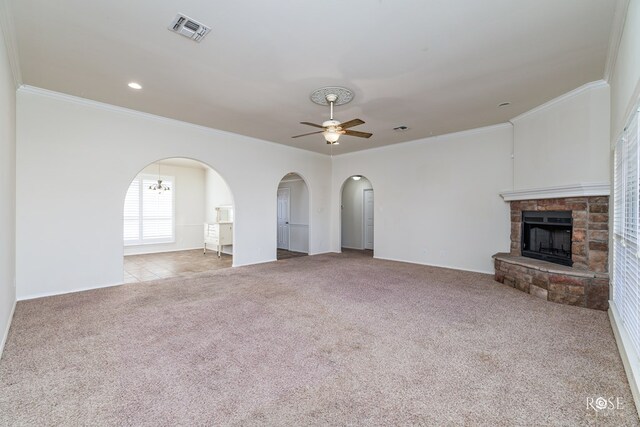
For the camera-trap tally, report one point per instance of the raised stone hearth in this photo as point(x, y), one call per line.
point(553, 282)
point(586, 282)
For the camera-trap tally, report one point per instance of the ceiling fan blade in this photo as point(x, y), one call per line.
point(312, 124)
point(351, 123)
point(358, 134)
point(305, 134)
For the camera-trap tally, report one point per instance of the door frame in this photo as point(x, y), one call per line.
point(288, 217)
point(364, 218)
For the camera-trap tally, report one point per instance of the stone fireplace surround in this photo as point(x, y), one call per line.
point(586, 283)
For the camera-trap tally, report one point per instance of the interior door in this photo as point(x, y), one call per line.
point(368, 219)
point(283, 218)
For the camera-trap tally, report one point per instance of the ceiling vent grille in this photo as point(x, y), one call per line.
point(188, 27)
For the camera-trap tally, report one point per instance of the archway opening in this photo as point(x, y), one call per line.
point(292, 217)
point(357, 215)
point(177, 221)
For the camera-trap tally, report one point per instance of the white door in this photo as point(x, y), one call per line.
point(368, 219)
point(283, 218)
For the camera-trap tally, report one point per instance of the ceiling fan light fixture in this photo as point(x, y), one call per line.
point(331, 136)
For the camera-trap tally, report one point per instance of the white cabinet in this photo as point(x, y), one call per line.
point(218, 234)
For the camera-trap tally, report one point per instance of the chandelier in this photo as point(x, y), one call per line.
point(159, 186)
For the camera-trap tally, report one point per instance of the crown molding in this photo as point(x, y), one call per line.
point(584, 88)
point(576, 190)
point(617, 27)
point(148, 116)
point(467, 132)
point(9, 34)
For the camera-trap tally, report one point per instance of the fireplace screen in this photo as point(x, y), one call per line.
point(547, 236)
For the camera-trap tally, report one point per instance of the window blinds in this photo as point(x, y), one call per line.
point(148, 214)
point(157, 211)
point(626, 222)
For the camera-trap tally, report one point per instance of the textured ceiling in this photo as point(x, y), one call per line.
point(436, 66)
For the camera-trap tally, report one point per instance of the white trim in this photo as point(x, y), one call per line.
point(51, 294)
point(8, 31)
point(364, 219)
point(5, 335)
point(448, 267)
point(630, 359)
point(135, 113)
point(467, 132)
point(288, 217)
point(563, 97)
point(576, 190)
point(161, 251)
point(619, 18)
point(253, 263)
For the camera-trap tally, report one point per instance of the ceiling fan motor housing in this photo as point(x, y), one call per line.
point(330, 123)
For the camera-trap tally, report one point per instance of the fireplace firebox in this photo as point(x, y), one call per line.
point(546, 235)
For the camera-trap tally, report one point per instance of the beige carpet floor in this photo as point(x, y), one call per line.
point(321, 340)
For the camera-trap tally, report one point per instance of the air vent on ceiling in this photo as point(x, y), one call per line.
point(188, 27)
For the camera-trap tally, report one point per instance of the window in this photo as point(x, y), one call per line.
point(626, 221)
point(148, 214)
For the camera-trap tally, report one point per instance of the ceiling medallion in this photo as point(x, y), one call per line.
point(343, 95)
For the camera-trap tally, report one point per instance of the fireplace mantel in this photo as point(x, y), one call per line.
point(576, 190)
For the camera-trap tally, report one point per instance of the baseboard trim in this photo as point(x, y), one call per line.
point(254, 263)
point(164, 251)
point(630, 359)
point(448, 267)
point(53, 294)
point(5, 335)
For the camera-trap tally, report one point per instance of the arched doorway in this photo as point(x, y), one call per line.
point(172, 209)
point(357, 214)
point(292, 217)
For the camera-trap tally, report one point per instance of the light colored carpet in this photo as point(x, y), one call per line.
point(329, 339)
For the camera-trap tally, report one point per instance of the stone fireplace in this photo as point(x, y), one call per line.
point(583, 280)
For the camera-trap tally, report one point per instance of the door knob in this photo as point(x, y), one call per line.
point(287, 222)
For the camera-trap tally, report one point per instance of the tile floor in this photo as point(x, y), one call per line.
point(141, 268)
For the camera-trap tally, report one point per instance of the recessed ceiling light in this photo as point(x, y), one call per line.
point(134, 85)
point(400, 128)
point(504, 104)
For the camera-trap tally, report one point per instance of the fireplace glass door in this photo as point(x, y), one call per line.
point(547, 236)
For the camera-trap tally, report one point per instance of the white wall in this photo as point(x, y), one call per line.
point(189, 202)
point(79, 143)
point(298, 214)
point(7, 191)
point(565, 141)
point(436, 200)
point(352, 217)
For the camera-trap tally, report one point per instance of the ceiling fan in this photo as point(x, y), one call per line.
point(332, 129)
